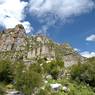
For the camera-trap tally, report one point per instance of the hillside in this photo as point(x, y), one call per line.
point(16, 45)
point(36, 65)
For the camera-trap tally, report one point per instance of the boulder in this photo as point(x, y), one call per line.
point(56, 86)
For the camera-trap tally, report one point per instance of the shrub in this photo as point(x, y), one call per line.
point(2, 91)
point(27, 79)
point(84, 72)
point(6, 71)
point(54, 68)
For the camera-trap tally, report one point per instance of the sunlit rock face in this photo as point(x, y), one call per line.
point(15, 44)
point(13, 39)
point(71, 57)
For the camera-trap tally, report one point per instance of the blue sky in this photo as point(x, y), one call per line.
point(71, 21)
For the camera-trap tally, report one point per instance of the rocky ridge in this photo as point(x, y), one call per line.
point(16, 45)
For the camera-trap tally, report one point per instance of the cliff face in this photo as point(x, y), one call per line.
point(13, 39)
point(39, 46)
point(71, 56)
point(16, 45)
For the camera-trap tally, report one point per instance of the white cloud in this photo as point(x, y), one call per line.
point(88, 54)
point(76, 49)
point(43, 30)
point(12, 13)
point(12, 8)
point(10, 22)
point(1, 1)
point(50, 11)
point(60, 8)
point(91, 38)
point(27, 26)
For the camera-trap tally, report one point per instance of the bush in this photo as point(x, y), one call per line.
point(84, 72)
point(27, 79)
point(54, 68)
point(6, 72)
point(1, 90)
point(43, 92)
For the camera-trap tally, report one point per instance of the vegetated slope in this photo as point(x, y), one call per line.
point(47, 76)
point(16, 45)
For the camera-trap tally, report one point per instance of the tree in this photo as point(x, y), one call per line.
point(54, 68)
point(19, 75)
point(2, 91)
point(84, 72)
point(27, 78)
point(6, 71)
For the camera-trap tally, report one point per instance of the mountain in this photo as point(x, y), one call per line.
point(15, 45)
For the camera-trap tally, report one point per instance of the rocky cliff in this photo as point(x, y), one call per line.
point(13, 39)
point(16, 45)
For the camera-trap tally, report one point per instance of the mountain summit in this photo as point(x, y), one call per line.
point(15, 44)
point(13, 39)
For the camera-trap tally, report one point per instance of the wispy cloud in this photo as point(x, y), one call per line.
point(49, 11)
point(88, 54)
point(91, 38)
point(54, 10)
point(60, 8)
point(76, 49)
point(12, 13)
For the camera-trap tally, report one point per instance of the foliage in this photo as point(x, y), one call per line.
point(27, 79)
point(6, 73)
point(54, 68)
point(1, 90)
point(74, 88)
point(84, 72)
point(79, 89)
point(43, 92)
point(18, 78)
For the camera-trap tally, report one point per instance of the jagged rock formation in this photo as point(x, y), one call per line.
point(71, 56)
point(40, 46)
point(16, 45)
point(13, 39)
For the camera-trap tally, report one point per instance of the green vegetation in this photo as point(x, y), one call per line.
point(27, 79)
point(2, 89)
point(6, 72)
point(54, 68)
point(23, 78)
point(84, 72)
point(30, 79)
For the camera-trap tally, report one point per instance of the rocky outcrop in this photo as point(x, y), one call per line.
point(16, 45)
point(71, 57)
point(13, 39)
